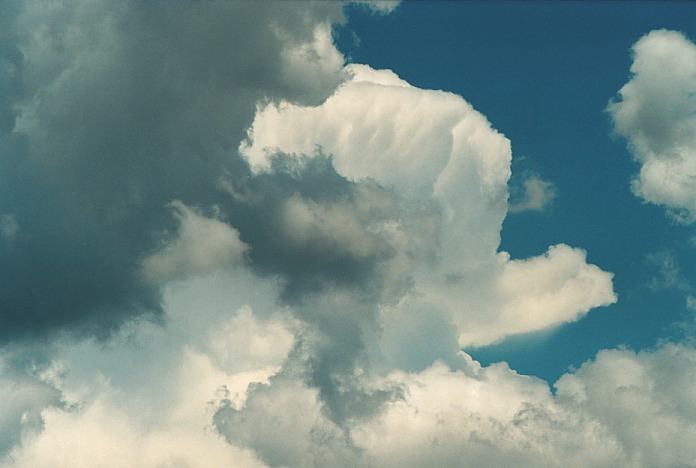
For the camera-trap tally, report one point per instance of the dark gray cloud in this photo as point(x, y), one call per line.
point(111, 110)
point(334, 269)
point(286, 217)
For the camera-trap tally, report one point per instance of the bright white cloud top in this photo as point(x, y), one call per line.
point(433, 146)
point(317, 291)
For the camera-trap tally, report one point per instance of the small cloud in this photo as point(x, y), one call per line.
point(535, 194)
point(8, 227)
point(383, 7)
point(691, 302)
point(666, 272)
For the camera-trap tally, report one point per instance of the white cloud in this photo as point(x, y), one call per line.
point(532, 294)
point(147, 397)
point(691, 302)
point(479, 417)
point(432, 146)
point(537, 195)
point(645, 400)
point(655, 112)
point(244, 344)
point(203, 245)
point(620, 409)
point(102, 435)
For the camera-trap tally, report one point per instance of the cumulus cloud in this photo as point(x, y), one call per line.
point(620, 409)
point(172, 397)
point(319, 241)
point(654, 112)
point(146, 398)
point(433, 146)
point(539, 292)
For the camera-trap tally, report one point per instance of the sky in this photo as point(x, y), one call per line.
point(371, 233)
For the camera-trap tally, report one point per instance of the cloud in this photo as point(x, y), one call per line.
point(379, 6)
point(495, 417)
point(654, 112)
point(146, 398)
point(202, 246)
point(432, 146)
point(691, 302)
point(539, 292)
point(112, 111)
point(157, 396)
point(536, 195)
point(102, 435)
point(312, 227)
point(620, 409)
point(27, 391)
point(319, 242)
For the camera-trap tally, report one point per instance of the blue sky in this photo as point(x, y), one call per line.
point(543, 73)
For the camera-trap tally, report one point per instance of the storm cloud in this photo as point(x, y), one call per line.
point(111, 111)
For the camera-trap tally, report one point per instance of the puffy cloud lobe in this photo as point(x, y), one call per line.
point(643, 399)
point(245, 344)
point(202, 246)
point(284, 423)
point(478, 417)
point(554, 288)
point(433, 146)
point(621, 409)
point(654, 111)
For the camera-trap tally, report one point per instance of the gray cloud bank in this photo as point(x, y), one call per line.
point(111, 111)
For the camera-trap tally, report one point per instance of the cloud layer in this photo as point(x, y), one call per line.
point(220, 245)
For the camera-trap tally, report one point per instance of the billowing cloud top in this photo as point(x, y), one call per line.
point(220, 245)
point(432, 146)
